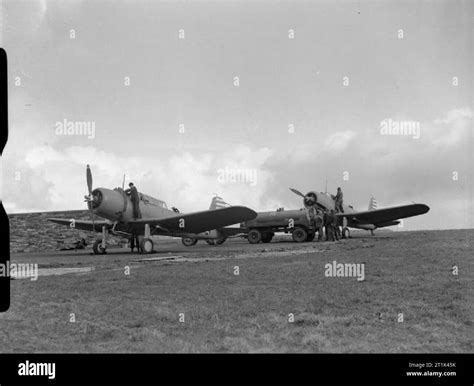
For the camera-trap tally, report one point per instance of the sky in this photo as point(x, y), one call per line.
point(244, 99)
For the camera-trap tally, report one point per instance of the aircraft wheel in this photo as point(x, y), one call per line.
point(299, 235)
point(221, 240)
point(310, 236)
point(267, 237)
point(211, 241)
point(98, 249)
point(146, 246)
point(346, 233)
point(189, 241)
point(254, 236)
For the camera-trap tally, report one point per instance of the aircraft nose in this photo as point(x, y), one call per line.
point(96, 198)
point(310, 199)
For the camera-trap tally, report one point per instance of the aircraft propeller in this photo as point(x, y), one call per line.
point(308, 199)
point(297, 192)
point(89, 179)
point(89, 198)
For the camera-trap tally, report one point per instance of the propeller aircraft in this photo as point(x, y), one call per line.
point(116, 208)
point(370, 219)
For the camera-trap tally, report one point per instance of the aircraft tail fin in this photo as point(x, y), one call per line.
point(218, 203)
point(372, 204)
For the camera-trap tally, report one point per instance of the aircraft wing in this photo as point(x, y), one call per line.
point(385, 216)
point(197, 222)
point(82, 224)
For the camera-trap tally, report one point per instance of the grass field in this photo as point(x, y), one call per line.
point(407, 273)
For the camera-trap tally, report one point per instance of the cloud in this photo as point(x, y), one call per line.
point(396, 170)
point(455, 115)
point(339, 141)
point(56, 178)
point(451, 129)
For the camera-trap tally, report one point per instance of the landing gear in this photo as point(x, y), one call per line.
point(98, 249)
point(372, 232)
point(254, 236)
point(146, 245)
point(267, 237)
point(300, 235)
point(346, 234)
point(310, 236)
point(188, 241)
point(100, 245)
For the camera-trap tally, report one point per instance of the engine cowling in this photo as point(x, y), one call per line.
point(310, 199)
point(108, 203)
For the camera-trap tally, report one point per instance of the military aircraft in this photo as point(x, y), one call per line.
point(370, 219)
point(116, 207)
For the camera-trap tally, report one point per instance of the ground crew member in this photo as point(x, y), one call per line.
point(328, 226)
point(339, 201)
point(134, 242)
point(334, 225)
point(135, 198)
point(318, 222)
point(337, 231)
point(311, 216)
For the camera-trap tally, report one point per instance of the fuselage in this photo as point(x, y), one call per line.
point(326, 201)
point(116, 205)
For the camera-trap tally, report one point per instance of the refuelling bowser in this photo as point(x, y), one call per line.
point(266, 224)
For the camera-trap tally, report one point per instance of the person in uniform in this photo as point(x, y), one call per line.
point(339, 201)
point(328, 226)
point(319, 221)
point(132, 192)
point(134, 242)
point(335, 225)
point(311, 216)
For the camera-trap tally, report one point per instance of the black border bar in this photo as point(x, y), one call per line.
point(239, 368)
point(4, 224)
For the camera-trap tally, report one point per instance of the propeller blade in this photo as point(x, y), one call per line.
point(297, 192)
point(89, 179)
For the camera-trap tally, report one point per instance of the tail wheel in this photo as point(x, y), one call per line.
point(346, 233)
point(254, 236)
point(146, 246)
point(299, 235)
point(267, 237)
point(189, 241)
point(98, 249)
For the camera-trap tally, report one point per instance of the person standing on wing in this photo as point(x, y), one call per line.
point(339, 201)
point(132, 192)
